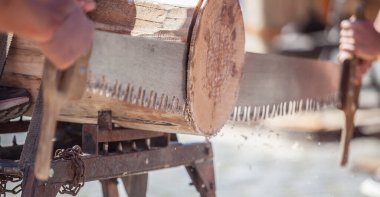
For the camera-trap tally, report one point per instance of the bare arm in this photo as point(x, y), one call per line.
point(59, 27)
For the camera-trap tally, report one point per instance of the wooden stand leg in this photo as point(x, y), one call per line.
point(203, 178)
point(136, 185)
point(47, 190)
point(31, 189)
point(109, 188)
point(29, 184)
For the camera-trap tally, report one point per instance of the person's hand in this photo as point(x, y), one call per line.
point(87, 5)
point(359, 39)
point(59, 27)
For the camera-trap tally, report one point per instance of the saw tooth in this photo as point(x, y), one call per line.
point(245, 113)
point(284, 112)
point(261, 113)
point(138, 98)
point(310, 105)
point(273, 113)
point(143, 99)
point(114, 89)
point(296, 104)
point(241, 113)
point(160, 105)
point(249, 114)
point(105, 89)
point(183, 107)
point(258, 117)
point(254, 114)
point(154, 102)
point(166, 104)
point(234, 118)
point(134, 100)
point(291, 107)
point(121, 93)
point(248, 118)
point(267, 112)
point(127, 92)
point(300, 107)
point(150, 99)
point(173, 104)
point(179, 107)
point(131, 95)
point(236, 113)
point(108, 90)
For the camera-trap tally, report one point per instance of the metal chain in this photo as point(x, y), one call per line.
point(77, 183)
point(4, 179)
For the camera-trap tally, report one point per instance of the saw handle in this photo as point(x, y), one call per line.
point(350, 90)
point(349, 94)
point(58, 86)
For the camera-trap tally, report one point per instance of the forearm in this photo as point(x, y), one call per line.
point(59, 27)
point(35, 19)
point(376, 24)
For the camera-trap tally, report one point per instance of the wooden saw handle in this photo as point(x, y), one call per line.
point(350, 90)
point(350, 97)
point(58, 86)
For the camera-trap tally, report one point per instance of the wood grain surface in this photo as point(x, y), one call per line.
point(215, 64)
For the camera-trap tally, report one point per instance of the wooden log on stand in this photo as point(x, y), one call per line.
point(197, 71)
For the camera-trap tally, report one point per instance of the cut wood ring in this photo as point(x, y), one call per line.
point(216, 59)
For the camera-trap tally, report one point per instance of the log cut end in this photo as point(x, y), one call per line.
point(215, 64)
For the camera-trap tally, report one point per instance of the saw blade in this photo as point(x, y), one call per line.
point(119, 62)
point(275, 85)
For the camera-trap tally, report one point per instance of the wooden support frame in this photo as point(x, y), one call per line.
point(130, 165)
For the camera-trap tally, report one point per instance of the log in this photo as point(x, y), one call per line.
point(212, 65)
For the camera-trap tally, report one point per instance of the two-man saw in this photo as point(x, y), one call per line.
point(171, 87)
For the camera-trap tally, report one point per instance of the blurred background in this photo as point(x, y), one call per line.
point(294, 156)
